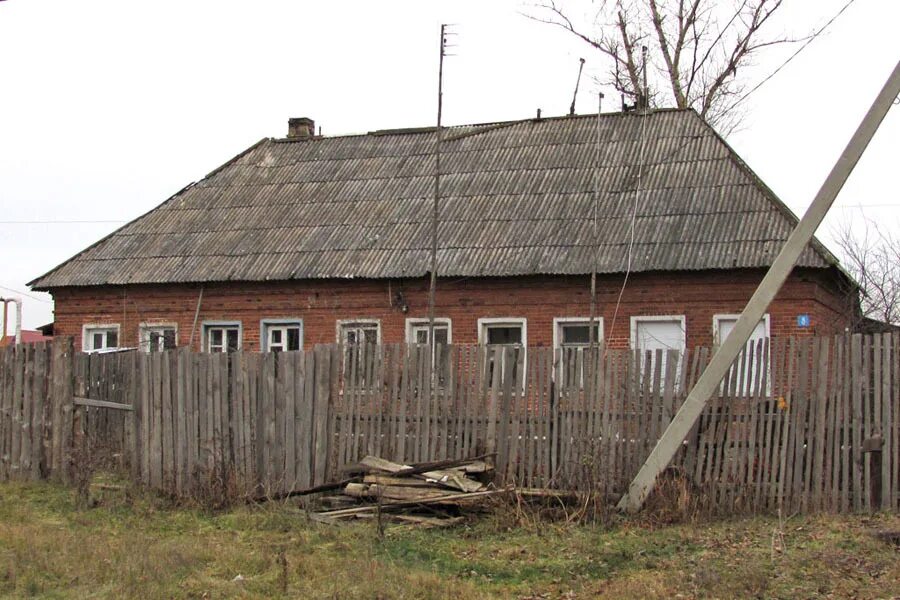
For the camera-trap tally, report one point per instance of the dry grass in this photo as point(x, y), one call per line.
point(136, 545)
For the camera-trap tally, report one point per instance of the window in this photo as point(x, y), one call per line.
point(649, 334)
point(417, 333)
point(222, 337)
point(158, 338)
point(281, 335)
point(95, 338)
point(571, 334)
point(574, 332)
point(508, 333)
point(722, 326)
point(364, 331)
point(356, 338)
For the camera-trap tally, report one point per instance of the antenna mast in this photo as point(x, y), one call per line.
point(435, 209)
point(577, 82)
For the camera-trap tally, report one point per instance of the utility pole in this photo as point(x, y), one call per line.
point(687, 415)
point(435, 209)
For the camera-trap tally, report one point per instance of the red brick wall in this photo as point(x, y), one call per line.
point(697, 295)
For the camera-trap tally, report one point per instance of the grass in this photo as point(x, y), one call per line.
point(136, 545)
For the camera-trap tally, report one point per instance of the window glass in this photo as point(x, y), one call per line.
point(157, 338)
point(419, 332)
point(651, 334)
point(223, 338)
point(100, 338)
point(578, 334)
point(504, 334)
point(357, 333)
point(744, 385)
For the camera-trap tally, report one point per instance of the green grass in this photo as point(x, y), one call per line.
point(137, 545)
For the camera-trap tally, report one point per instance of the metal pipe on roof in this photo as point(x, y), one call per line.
point(18, 303)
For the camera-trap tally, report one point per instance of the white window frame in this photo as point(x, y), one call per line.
point(717, 318)
point(485, 322)
point(86, 338)
point(412, 324)
point(734, 317)
point(339, 327)
point(636, 320)
point(650, 318)
point(207, 325)
point(144, 330)
point(266, 324)
point(558, 322)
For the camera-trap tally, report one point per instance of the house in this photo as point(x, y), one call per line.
point(28, 337)
point(309, 239)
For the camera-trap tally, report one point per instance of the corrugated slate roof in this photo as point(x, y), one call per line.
point(517, 198)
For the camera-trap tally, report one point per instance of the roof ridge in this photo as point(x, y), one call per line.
point(487, 124)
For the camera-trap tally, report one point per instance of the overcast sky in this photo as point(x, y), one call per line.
point(109, 107)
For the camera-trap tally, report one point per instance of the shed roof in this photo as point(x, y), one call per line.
point(517, 198)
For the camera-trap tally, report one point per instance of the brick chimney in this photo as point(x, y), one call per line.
point(301, 128)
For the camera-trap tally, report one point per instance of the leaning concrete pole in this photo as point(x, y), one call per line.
point(712, 376)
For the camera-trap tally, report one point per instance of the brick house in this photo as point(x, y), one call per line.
point(311, 239)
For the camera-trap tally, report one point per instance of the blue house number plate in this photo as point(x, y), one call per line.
point(802, 320)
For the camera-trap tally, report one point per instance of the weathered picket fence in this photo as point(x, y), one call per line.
point(799, 424)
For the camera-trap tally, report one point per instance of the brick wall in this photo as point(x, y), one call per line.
point(697, 295)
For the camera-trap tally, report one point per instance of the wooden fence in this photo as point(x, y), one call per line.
point(802, 424)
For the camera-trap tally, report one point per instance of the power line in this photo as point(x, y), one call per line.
point(26, 294)
point(794, 55)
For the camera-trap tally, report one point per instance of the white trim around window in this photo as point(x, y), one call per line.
point(266, 325)
point(341, 323)
point(88, 330)
point(485, 322)
point(559, 321)
point(412, 324)
point(211, 325)
point(655, 318)
point(145, 329)
point(718, 318)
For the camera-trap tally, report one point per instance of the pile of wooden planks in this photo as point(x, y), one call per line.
point(400, 492)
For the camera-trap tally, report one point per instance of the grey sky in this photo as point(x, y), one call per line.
point(110, 107)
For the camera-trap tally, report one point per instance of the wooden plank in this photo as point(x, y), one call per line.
point(289, 421)
point(167, 445)
point(887, 492)
point(835, 423)
point(895, 419)
point(16, 413)
point(511, 384)
point(304, 415)
point(322, 406)
point(40, 447)
point(27, 406)
point(866, 424)
point(856, 416)
point(496, 355)
point(820, 404)
point(100, 403)
point(874, 420)
point(156, 437)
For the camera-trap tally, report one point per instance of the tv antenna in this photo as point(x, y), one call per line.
point(446, 33)
point(577, 82)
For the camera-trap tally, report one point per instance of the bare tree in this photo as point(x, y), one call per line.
point(871, 254)
point(694, 47)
